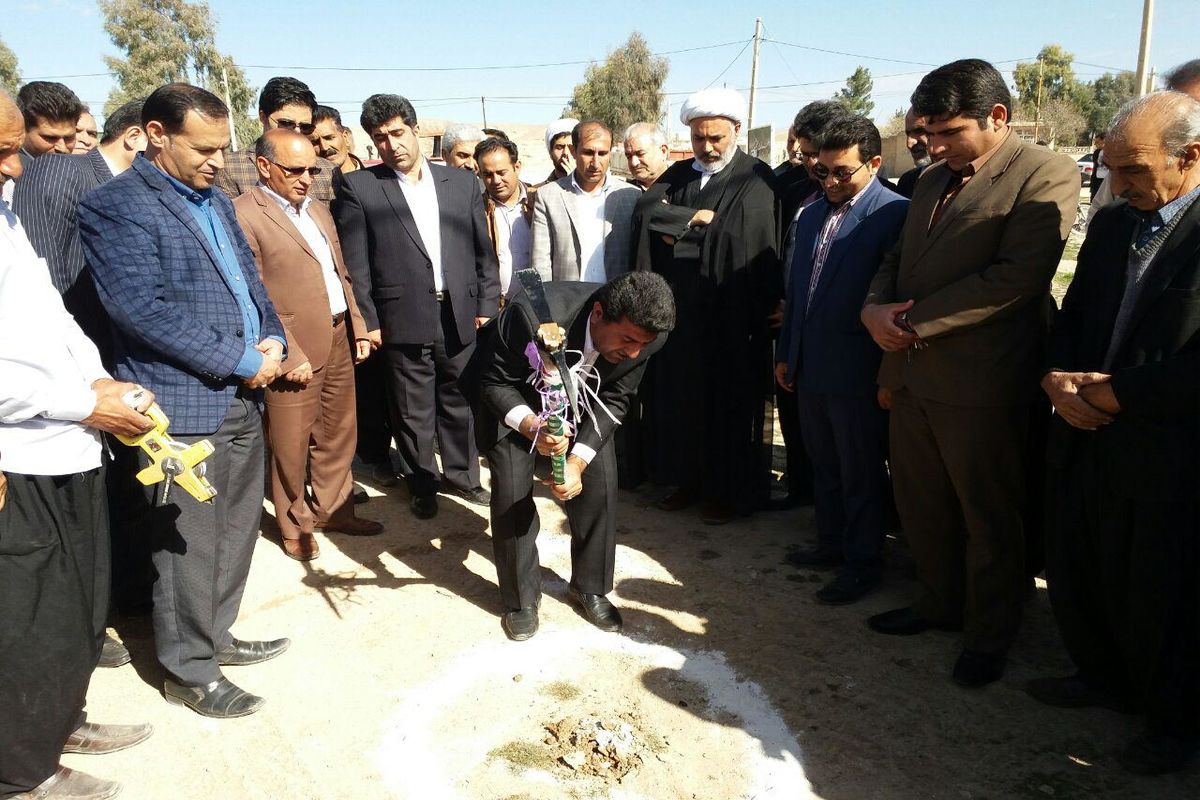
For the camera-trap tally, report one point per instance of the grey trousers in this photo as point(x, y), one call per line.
point(202, 551)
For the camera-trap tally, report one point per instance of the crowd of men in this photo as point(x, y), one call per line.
point(294, 307)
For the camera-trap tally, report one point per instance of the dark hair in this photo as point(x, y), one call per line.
point(280, 92)
point(495, 133)
point(1183, 76)
point(577, 131)
point(813, 118)
point(847, 130)
point(326, 112)
point(492, 145)
point(126, 117)
point(169, 104)
point(643, 298)
point(380, 108)
point(970, 88)
point(49, 101)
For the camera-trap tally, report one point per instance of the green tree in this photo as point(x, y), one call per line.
point(10, 75)
point(856, 94)
point(1108, 93)
point(625, 89)
point(167, 41)
point(1057, 77)
point(895, 123)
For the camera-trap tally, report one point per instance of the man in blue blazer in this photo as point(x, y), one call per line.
point(193, 323)
point(827, 356)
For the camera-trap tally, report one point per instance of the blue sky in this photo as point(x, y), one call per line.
point(66, 37)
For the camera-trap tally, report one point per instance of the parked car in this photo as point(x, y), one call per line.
point(1086, 166)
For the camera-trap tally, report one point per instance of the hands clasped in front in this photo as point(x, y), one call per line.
point(269, 370)
point(1085, 400)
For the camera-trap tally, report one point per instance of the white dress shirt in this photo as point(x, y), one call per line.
point(47, 367)
point(311, 232)
point(589, 225)
point(514, 240)
point(421, 195)
point(517, 414)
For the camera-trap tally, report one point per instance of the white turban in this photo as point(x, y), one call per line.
point(558, 128)
point(726, 103)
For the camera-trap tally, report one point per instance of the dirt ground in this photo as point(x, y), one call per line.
point(729, 682)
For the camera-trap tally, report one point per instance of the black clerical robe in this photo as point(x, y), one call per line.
point(705, 393)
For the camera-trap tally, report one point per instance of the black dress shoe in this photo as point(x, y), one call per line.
point(478, 496)
point(93, 739)
point(1074, 692)
point(113, 653)
point(241, 654)
point(677, 500)
point(1157, 754)
point(219, 699)
point(424, 506)
point(361, 496)
point(815, 557)
point(597, 609)
point(905, 622)
point(846, 589)
point(789, 501)
point(976, 670)
point(521, 624)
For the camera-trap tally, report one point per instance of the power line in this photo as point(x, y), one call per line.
point(730, 64)
point(853, 55)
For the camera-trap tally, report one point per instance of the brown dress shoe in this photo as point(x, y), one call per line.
point(68, 784)
point(352, 526)
point(677, 500)
point(100, 739)
point(303, 549)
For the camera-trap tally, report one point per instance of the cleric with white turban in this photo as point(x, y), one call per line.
point(558, 141)
point(715, 117)
point(726, 103)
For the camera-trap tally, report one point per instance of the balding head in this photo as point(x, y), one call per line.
point(12, 136)
point(1153, 149)
point(286, 164)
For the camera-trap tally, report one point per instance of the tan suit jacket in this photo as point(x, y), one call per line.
point(980, 278)
point(292, 275)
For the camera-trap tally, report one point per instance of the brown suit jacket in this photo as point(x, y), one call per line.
point(292, 275)
point(980, 278)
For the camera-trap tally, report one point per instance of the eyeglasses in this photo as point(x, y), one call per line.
point(296, 172)
point(842, 174)
point(304, 127)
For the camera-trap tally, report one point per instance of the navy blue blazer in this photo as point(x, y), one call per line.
point(177, 327)
point(825, 346)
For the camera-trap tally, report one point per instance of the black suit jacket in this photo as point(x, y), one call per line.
point(495, 381)
point(390, 268)
point(1152, 448)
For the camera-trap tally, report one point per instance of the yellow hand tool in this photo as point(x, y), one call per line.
point(170, 461)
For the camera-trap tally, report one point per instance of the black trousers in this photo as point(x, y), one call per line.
point(371, 403)
point(515, 524)
point(799, 467)
point(846, 438)
point(1124, 577)
point(427, 403)
point(202, 551)
point(54, 578)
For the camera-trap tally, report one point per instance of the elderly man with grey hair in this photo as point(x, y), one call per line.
point(458, 146)
point(1123, 539)
point(646, 152)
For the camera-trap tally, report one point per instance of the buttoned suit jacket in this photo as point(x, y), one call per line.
point(823, 342)
point(980, 278)
point(240, 175)
point(293, 276)
point(496, 379)
point(391, 269)
point(178, 328)
point(1151, 449)
point(555, 251)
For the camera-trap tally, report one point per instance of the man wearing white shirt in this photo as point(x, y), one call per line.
point(583, 222)
point(509, 208)
point(313, 400)
point(416, 243)
point(55, 397)
point(616, 328)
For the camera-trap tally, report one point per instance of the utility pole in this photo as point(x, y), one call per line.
point(1144, 47)
point(1037, 114)
point(1151, 80)
point(229, 105)
point(483, 105)
point(754, 74)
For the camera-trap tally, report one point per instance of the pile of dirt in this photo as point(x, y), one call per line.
point(606, 748)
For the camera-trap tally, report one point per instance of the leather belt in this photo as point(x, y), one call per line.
point(339, 318)
point(441, 296)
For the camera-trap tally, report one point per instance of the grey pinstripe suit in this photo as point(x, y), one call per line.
point(555, 249)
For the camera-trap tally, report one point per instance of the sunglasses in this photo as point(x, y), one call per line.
point(296, 172)
point(841, 174)
point(304, 127)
